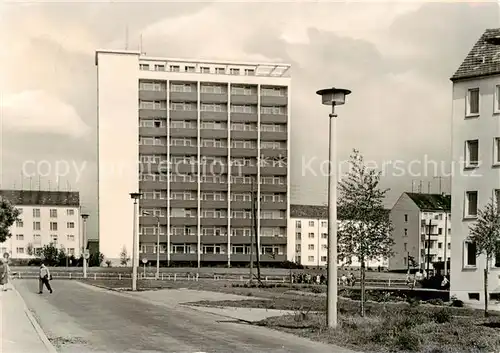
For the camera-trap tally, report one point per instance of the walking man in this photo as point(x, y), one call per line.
point(44, 279)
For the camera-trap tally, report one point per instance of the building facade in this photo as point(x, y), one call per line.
point(210, 136)
point(308, 238)
point(46, 217)
point(476, 158)
point(421, 231)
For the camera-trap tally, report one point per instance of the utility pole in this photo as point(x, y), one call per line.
point(251, 239)
point(429, 248)
point(440, 178)
point(255, 228)
point(445, 243)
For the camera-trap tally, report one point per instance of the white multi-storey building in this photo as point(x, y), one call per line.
point(46, 217)
point(205, 133)
point(308, 238)
point(476, 158)
point(421, 230)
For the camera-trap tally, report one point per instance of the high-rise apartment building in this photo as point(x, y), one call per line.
point(195, 138)
point(46, 217)
point(476, 158)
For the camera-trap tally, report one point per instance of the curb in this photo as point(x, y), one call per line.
point(43, 337)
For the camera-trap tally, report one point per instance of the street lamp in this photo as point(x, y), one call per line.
point(332, 97)
point(84, 245)
point(157, 242)
point(135, 246)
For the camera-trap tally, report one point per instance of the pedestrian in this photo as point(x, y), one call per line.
point(44, 279)
point(4, 274)
point(353, 279)
point(344, 280)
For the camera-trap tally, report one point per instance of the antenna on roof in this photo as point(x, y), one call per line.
point(31, 178)
point(413, 186)
point(68, 185)
point(39, 183)
point(126, 37)
point(428, 187)
point(49, 185)
point(420, 186)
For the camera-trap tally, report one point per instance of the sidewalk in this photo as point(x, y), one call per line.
point(17, 333)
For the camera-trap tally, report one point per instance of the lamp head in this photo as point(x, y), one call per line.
point(85, 216)
point(333, 96)
point(135, 195)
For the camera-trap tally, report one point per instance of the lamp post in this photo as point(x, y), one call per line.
point(332, 97)
point(135, 245)
point(84, 243)
point(157, 242)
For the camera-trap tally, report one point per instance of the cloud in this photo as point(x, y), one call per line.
point(40, 113)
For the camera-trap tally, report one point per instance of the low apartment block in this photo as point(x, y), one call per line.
point(422, 230)
point(46, 217)
point(308, 238)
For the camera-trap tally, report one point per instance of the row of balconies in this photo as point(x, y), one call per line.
point(150, 256)
point(193, 186)
point(214, 134)
point(212, 116)
point(210, 239)
point(215, 169)
point(193, 221)
point(235, 205)
point(212, 151)
point(214, 98)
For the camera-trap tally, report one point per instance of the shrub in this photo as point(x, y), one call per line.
point(435, 302)
point(457, 303)
point(408, 340)
point(442, 316)
point(316, 290)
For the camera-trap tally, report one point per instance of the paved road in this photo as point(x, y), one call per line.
point(80, 318)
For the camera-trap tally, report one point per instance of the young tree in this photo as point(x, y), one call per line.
point(96, 259)
point(485, 233)
point(365, 231)
point(124, 258)
point(49, 254)
point(8, 216)
point(62, 258)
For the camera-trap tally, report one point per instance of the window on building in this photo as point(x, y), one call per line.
point(405, 245)
point(53, 225)
point(324, 247)
point(310, 247)
point(311, 235)
point(470, 254)
point(37, 238)
point(406, 232)
point(311, 223)
point(471, 153)
point(19, 224)
point(405, 261)
point(473, 102)
point(175, 68)
point(53, 213)
point(36, 226)
point(70, 237)
point(406, 218)
point(36, 213)
point(440, 231)
point(324, 224)
point(297, 248)
point(234, 71)
point(70, 225)
point(220, 70)
point(249, 72)
point(204, 70)
point(440, 245)
point(19, 236)
point(298, 224)
point(471, 204)
point(70, 212)
point(449, 246)
point(324, 235)
point(310, 258)
point(20, 250)
point(496, 150)
point(298, 235)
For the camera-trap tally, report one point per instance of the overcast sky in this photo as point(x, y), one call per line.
point(396, 57)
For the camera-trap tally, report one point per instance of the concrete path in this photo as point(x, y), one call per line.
point(82, 318)
point(20, 333)
point(244, 314)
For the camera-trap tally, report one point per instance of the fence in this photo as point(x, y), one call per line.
point(73, 275)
